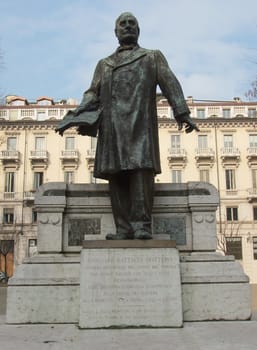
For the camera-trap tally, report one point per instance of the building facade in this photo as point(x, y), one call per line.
point(223, 153)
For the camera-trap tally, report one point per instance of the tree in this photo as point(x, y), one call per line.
point(230, 230)
point(251, 94)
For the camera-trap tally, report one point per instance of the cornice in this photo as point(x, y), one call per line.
point(213, 123)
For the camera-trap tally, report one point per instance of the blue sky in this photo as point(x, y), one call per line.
point(51, 47)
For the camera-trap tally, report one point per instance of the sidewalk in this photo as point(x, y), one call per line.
point(221, 335)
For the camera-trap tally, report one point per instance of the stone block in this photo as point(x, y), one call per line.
point(216, 301)
point(130, 287)
point(44, 289)
point(214, 287)
point(43, 304)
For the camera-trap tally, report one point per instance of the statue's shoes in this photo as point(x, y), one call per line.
point(118, 236)
point(142, 234)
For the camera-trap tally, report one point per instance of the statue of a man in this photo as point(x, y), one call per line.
point(127, 153)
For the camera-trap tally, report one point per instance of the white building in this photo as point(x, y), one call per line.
point(223, 153)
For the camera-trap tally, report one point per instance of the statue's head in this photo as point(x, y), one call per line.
point(127, 29)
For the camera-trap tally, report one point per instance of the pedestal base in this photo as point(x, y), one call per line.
point(44, 289)
point(130, 284)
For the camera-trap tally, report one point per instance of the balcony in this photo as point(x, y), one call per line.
point(204, 156)
point(38, 159)
point(252, 156)
point(177, 156)
point(10, 158)
point(28, 197)
point(252, 195)
point(9, 196)
point(230, 156)
point(90, 157)
point(69, 158)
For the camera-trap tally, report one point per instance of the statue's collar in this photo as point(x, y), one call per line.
point(114, 61)
point(127, 47)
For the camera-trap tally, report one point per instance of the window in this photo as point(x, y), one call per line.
point(253, 141)
point(255, 248)
point(11, 143)
point(8, 216)
point(9, 182)
point(38, 179)
point(41, 115)
point(254, 213)
point(252, 113)
point(254, 178)
point(202, 141)
point(234, 247)
point(40, 143)
point(230, 179)
point(200, 113)
point(13, 114)
point(226, 113)
point(32, 247)
point(34, 216)
point(228, 141)
point(176, 176)
point(205, 175)
point(175, 141)
point(18, 102)
point(93, 142)
point(69, 143)
point(68, 177)
point(232, 213)
point(44, 102)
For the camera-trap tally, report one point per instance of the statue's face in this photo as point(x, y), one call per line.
point(127, 30)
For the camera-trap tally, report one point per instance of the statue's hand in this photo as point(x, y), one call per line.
point(190, 126)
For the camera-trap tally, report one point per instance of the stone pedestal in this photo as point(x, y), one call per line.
point(46, 288)
point(130, 284)
point(214, 287)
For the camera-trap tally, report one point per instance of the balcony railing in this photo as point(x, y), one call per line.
point(38, 154)
point(29, 195)
point(9, 155)
point(204, 152)
point(230, 151)
point(252, 194)
point(177, 152)
point(9, 195)
point(90, 153)
point(230, 154)
point(252, 151)
point(69, 154)
point(17, 196)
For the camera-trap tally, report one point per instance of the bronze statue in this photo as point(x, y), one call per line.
point(123, 96)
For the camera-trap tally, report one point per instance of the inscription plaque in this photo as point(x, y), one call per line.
point(174, 226)
point(77, 228)
point(130, 288)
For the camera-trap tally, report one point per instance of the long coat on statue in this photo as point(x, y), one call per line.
point(126, 90)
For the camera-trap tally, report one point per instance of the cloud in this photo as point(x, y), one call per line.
point(51, 48)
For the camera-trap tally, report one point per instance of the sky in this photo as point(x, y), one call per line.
point(51, 47)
